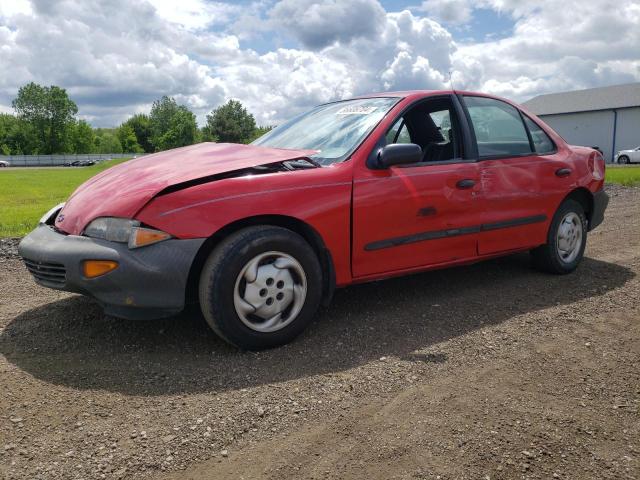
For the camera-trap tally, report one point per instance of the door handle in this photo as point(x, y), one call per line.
point(465, 184)
point(563, 172)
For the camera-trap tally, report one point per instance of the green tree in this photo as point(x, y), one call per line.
point(204, 135)
point(127, 137)
point(51, 113)
point(18, 136)
point(141, 125)
point(84, 138)
point(231, 123)
point(258, 132)
point(107, 141)
point(7, 123)
point(172, 125)
point(182, 130)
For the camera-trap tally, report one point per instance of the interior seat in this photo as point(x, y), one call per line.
point(436, 152)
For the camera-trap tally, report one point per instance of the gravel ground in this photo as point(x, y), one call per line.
point(490, 371)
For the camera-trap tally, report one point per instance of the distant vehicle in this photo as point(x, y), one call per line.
point(4, 163)
point(80, 163)
point(352, 191)
point(628, 156)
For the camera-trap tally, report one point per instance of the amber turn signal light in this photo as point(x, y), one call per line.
point(146, 236)
point(96, 268)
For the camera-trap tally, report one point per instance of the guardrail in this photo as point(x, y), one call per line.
point(60, 160)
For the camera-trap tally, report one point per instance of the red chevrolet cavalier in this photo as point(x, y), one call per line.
point(351, 191)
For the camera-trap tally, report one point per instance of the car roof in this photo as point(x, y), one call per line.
point(415, 94)
point(412, 95)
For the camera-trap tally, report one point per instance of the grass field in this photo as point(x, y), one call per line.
point(629, 176)
point(27, 193)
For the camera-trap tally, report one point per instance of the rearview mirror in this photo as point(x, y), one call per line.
point(398, 154)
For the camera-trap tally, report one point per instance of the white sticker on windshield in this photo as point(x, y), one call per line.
point(356, 110)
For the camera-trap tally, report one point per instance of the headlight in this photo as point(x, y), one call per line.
point(124, 230)
point(112, 229)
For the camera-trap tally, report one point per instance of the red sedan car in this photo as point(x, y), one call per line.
point(351, 191)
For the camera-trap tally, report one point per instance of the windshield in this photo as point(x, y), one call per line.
point(335, 129)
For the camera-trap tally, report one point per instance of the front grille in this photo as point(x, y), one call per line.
point(52, 273)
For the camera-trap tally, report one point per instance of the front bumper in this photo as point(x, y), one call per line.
point(600, 202)
point(150, 282)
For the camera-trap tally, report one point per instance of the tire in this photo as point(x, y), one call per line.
point(623, 160)
point(550, 257)
point(280, 265)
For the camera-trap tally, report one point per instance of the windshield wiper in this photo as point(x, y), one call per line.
point(300, 163)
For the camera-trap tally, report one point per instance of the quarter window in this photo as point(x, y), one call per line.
point(541, 141)
point(498, 127)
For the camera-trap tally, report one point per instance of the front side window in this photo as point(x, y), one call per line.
point(541, 141)
point(335, 129)
point(498, 127)
point(399, 133)
point(430, 124)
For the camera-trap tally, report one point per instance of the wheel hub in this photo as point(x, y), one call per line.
point(270, 291)
point(569, 239)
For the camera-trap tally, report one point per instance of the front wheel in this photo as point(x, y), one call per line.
point(624, 160)
point(260, 287)
point(566, 240)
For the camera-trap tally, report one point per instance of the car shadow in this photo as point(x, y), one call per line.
point(70, 342)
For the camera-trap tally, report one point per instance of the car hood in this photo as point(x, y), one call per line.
point(123, 190)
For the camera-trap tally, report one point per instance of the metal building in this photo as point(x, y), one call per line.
point(606, 117)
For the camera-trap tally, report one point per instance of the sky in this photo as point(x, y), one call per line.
point(281, 57)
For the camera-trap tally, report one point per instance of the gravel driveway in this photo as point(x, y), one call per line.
point(489, 371)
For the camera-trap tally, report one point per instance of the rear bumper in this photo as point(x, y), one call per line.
point(149, 282)
point(600, 202)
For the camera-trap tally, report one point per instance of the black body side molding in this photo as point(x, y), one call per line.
point(454, 232)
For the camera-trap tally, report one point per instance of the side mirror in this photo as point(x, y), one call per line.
point(399, 154)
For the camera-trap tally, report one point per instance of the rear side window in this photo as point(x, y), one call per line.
point(541, 141)
point(498, 127)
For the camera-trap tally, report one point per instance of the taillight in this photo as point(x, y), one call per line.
point(596, 165)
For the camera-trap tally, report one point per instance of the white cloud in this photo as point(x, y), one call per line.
point(321, 23)
point(580, 45)
point(195, 14)
point(12, 8)
point(116, 57)
point(447, 11)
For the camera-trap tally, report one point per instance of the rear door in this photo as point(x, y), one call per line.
point(524, 177)
point(427, 213)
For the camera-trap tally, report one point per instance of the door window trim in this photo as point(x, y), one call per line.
point(472, 133)
point(462, 120)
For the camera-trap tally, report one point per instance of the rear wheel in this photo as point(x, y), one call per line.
point(566, 240)
point(260, 287)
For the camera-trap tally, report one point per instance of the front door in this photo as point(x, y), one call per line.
point(427, 213)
